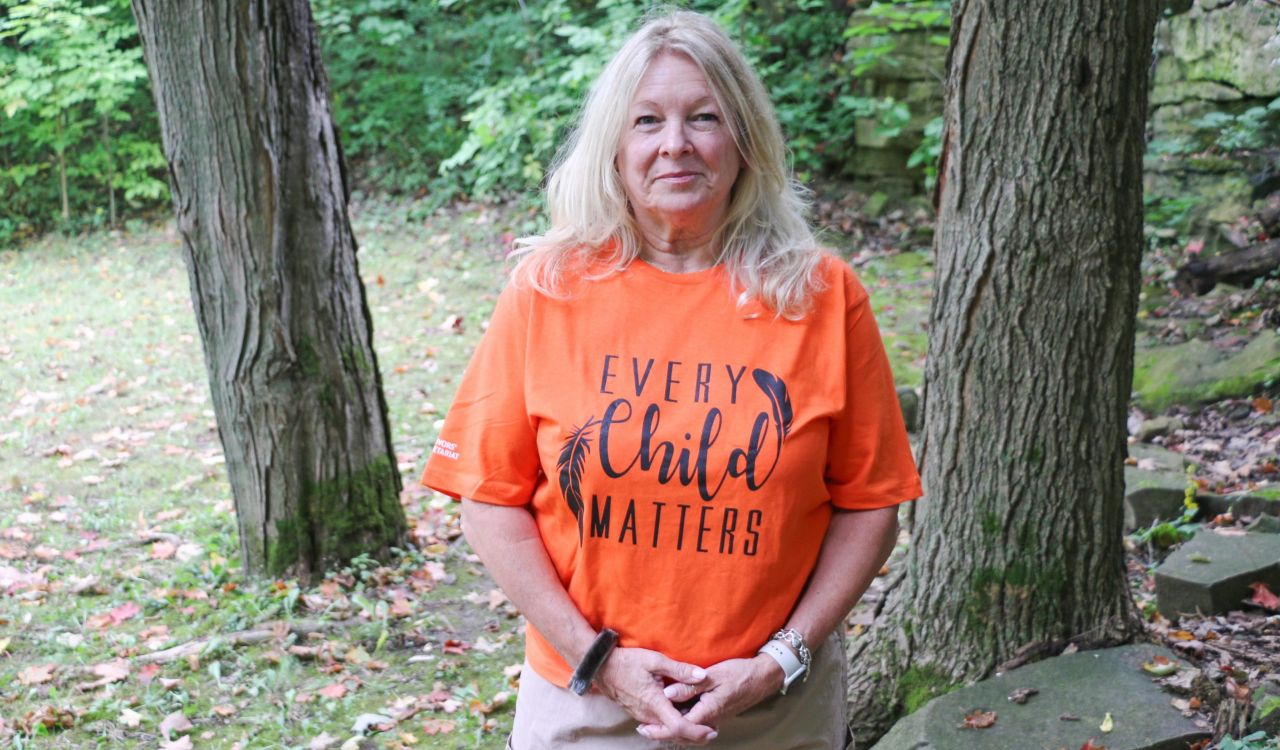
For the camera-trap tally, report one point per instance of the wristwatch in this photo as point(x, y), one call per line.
point(793, 667)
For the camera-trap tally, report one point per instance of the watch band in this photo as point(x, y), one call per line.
point(792, 638)
point(591, 662)
point(792, 667)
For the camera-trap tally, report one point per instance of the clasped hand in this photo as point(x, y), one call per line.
point(634, 679)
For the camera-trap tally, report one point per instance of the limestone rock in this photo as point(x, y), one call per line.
point(1087, 685)
point(1212, 572)
point(1158, 427)
point(1232, 46)
point(1197, 372)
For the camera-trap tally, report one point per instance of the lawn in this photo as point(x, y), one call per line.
point(125, 619)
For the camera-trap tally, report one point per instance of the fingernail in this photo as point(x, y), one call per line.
point(712, 736)
point(699, 674)
point(644, 732)
point(671, 690)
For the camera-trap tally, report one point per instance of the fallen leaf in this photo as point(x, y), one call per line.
point(333, 690)
point(182, 743)
point(130, 718)
point(1263, 597)
point(1160, 666)
point(163, 550)
point(4, 645)
point(323, 741)
point(1263, 404)
point(437, 726)
point(147, 673)
point(1022, 695)
point(1107, 724)
point(224, 710)
point(37, 675)
point(174, 722)
point(124, 612)
point(107, 673)
point(979, 719)
point(1088, 745)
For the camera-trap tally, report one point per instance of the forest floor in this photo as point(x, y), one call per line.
point(125, 619)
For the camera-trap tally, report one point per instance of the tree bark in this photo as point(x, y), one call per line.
point(261, 200)
point(1030, 357)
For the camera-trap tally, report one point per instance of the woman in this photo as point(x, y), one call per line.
point(680, 426)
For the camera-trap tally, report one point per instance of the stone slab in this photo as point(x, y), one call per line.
point(1212, 572)
point(1154, 490)
point(1196, 371)
point(1088, 685)
point(1240, 505)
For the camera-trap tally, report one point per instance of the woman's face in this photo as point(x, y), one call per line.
point(677, 159)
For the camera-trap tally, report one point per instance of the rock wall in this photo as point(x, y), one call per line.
point(1210, 56)
point(1214, 56)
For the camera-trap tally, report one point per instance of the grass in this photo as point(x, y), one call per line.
point(117, 531)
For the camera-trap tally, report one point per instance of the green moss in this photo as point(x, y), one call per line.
point(1270, 493)
point(1195, 372)
point(990, 587)
point(308, 359)
point(919, 685)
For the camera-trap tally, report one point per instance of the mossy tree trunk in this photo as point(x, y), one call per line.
point(1018, 541)
point(261, 200)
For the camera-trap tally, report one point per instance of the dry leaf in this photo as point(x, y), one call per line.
point(1108, 724)
point(147, 673)
point(130, 718)
point(37, 675)
point(163, 550)
point(182, 743)
point(333, 690)
point(979, 719)
point(107, 672)
point(1022, 695)
point(437, 726)
point(224, 710)
point(1088, 745)
point(1263, 597)
point(321, 742)
point(174, 722)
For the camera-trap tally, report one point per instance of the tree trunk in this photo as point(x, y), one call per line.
point(256, 174)
point(1030, 353)
point(111, 171)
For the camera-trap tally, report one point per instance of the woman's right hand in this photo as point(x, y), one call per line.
point(633, 678)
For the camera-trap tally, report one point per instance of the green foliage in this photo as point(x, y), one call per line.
point(77, 127)
point(1171, 533)
point(1255, 741)
point(1256, 127)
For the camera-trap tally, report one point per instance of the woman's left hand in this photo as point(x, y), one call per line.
point(730, 688)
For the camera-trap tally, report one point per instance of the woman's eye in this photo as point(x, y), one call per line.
point(646, 120)
point(706, 117)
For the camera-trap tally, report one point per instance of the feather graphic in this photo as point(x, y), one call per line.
point(572, 457)
point(776, 390)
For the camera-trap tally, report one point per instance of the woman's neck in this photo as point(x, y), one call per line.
point(676, 252)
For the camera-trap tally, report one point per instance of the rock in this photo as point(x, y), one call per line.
point(909, 400)
point(1212, 572)
point(1088, 685)
point(1156, 487)
point(1151, 496)
point(1239, 505)
point(1230, 46)
point(1158, 427)
point(1197, 372)
point(1265, 525)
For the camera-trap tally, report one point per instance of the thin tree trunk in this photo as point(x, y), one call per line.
point(111, 170)
point(1030, 353)
point(61, 153)
point(257, 180)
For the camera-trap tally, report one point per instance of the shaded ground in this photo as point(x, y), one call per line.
point(117, 539)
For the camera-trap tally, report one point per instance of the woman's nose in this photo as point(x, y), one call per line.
point(675, 139)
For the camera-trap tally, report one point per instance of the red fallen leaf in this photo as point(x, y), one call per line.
point(36, 675)
point(1088, 745)
point(1263, 404)
point(401, 608)
point(124, 612)
point(1263, 597)
point(147, 673)
point(381, 280)
point(453, 646)
point(107, 673)
point(174, 722)
point(163, 551)
point(979, 719)
point(437, 726)
point(333, 690)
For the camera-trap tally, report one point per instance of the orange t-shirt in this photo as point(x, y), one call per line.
point(681, 455)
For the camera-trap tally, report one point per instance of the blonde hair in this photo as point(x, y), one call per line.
point(767, 247)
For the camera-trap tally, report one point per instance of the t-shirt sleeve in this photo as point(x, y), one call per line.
point(487, 449)
point(869, 461)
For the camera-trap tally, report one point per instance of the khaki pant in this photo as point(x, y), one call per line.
point(811, 716)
